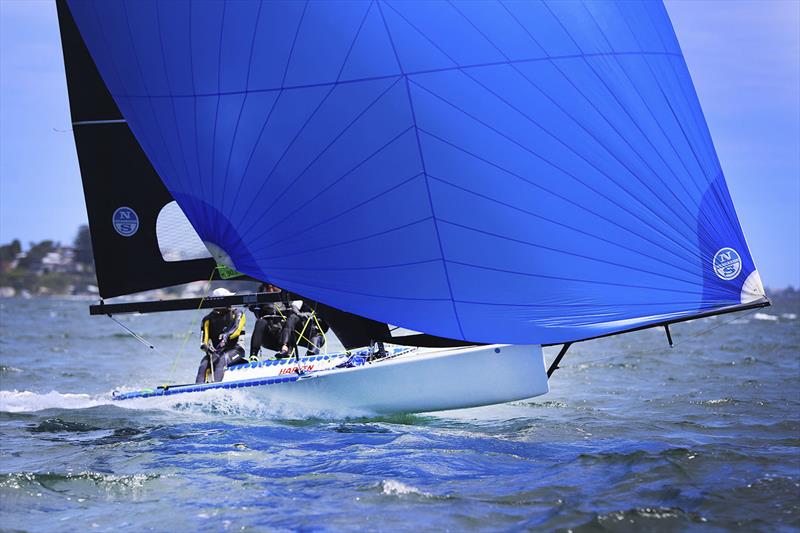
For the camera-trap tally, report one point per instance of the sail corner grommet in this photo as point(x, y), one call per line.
point(752, 288)
point(219, 255)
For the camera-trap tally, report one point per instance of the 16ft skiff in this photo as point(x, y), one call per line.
point(530, 173)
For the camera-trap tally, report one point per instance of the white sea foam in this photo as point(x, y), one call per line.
point(212, 403)
point(789, 316)
point(390, 487)
point(765, 316)
point(27, 401)
point(236, 404)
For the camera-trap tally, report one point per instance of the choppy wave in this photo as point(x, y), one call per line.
point(765, 316)
point(225, 403)
point(642, 438)
point(58, 425)
point(716, 402)
point(391, 487)
point(19, 480)
point(27, 401)
point(644, 517)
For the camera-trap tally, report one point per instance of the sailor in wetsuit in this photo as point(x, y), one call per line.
point(270, 321)
point(302, 328)
point(221, 329)
point(279, 325)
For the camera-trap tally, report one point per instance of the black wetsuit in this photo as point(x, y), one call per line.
point(303, 322)
point(221, 331)
point(279, 324)
point(269, 326)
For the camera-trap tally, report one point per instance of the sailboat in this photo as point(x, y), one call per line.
point(469, 180)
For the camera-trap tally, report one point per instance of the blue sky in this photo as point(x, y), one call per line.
point(744, 57)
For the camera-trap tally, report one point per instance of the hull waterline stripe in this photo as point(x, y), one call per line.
point(205, 386)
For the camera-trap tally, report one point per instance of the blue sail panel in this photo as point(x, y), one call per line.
point(526, 172)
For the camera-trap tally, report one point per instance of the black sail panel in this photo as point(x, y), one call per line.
point(355, 331)
point(124, 194)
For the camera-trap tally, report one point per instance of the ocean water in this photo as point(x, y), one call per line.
point(633, 436)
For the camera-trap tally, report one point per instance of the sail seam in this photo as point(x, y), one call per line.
point(144, 85)
point(549, 248)
point(433, 211)
point(144, 140)
point(361, 293)
point(562, 224)
point(214, 197)
point(268, 117)
point(354, 268)
point(547, 161)
point(331, 185)
point(566, 145)
point(204, 205)
point(185, 178)
point(699, 116)
point(350, 241)
point(561, 305)
point(657, 82)
point(408, 73)
point(353, 42)
point(278, 161)
point(579, 124)
point(538, 186)
point(632, 121)
point(276, 198)
point(348, 210)
point(313, 114)
point(331, 143)
point(577, 280)
point(691, 177)
point(425, 174)
point(702, 128)
point(239, 116)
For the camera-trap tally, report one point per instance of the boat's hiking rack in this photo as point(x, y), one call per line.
point(184, 304)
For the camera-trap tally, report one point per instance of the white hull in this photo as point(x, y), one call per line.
point(418, 380)
point(432, 380)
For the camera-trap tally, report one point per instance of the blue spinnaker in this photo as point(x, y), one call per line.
point(521, 172)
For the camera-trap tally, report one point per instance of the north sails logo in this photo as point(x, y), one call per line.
point(727, 263)
point(126, 221)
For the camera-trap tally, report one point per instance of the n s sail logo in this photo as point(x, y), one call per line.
point(126, 221)
point(727, 263)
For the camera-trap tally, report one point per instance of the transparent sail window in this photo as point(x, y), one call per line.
point(177, 239)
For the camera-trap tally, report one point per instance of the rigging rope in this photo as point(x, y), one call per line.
point(682, 342)
point(301, 337)
point(193, 327)
point(136, 336)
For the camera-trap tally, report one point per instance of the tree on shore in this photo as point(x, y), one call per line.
point(83, 247)
point(8, 252)
point(36, 253)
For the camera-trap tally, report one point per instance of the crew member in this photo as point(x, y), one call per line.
point(281, 325)
point(221, 329)
point(301, 327)
point(270, 318)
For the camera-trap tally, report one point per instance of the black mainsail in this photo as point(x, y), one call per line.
point(124, 194)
